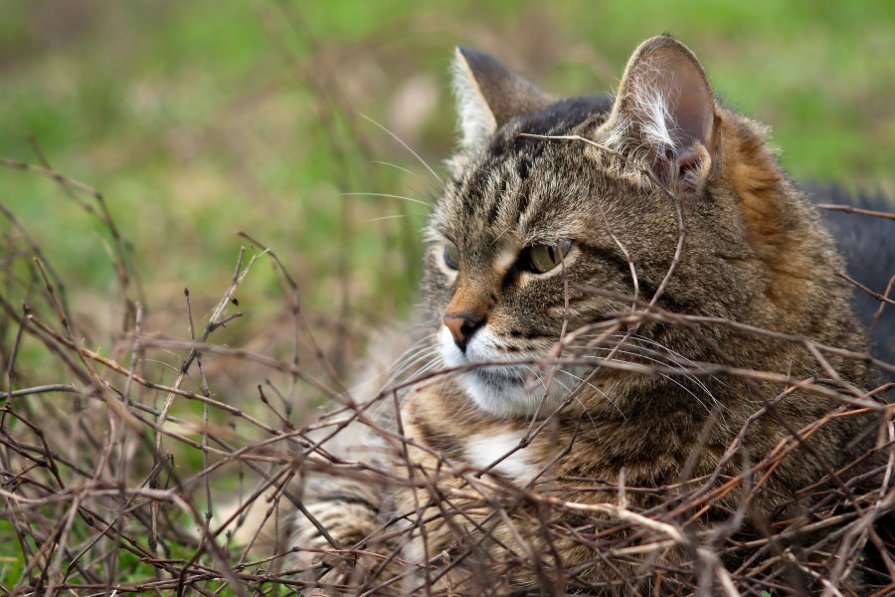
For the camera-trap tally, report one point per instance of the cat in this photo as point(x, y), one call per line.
point(868, 246)
point(630, 305)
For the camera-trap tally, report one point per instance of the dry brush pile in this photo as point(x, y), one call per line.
point(119, 473)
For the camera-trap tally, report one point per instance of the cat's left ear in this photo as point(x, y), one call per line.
point(489, 95)
point(664, 114)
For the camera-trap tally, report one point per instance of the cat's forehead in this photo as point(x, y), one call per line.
point(523, 186)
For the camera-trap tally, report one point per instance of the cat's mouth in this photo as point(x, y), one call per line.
point(501, 375)
point(491, 379)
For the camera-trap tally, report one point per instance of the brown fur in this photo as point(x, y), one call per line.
point(754, 253)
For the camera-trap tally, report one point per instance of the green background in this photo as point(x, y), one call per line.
point(198, 119)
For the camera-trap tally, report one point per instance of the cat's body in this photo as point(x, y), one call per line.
point(868, 245)
point(562, 222)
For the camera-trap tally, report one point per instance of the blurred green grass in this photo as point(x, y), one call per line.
point(203, 118)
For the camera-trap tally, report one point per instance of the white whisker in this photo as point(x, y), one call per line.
point(601, 392)
point(405, 146)
point(637, 350)
point(672, 352)
point(386, 195)
point(381, 218)
point(395, 166)
point(668, 378)
point(409, 363)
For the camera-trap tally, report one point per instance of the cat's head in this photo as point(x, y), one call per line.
point(563, 212)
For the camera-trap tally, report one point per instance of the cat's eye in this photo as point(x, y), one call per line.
point(543, 258)
point(451, 256)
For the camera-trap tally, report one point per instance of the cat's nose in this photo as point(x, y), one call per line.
point(463, 326)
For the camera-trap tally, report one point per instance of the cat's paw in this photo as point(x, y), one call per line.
point(330, 558)
point(345, 525)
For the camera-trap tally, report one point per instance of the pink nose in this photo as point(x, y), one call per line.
point(463, 326)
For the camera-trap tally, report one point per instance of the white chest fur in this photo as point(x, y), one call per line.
point(484, 449)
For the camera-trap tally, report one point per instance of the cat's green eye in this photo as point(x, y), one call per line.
point(451, 256)
point(543, 258)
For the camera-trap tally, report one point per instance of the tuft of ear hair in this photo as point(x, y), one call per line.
point(489, 95)
point(664, 114)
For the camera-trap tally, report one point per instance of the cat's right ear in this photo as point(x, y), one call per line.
point(489, 95)
point(664, 115)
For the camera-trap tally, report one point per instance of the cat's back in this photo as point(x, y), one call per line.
point(867, 242)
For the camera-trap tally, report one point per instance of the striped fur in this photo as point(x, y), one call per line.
point(592, 169)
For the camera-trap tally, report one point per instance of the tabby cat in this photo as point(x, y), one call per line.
point(629, 305)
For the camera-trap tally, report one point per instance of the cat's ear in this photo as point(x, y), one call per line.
point(489, 95)
point(664, 114)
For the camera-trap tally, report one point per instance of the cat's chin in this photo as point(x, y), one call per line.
point(502, 391)
point(506, 399)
